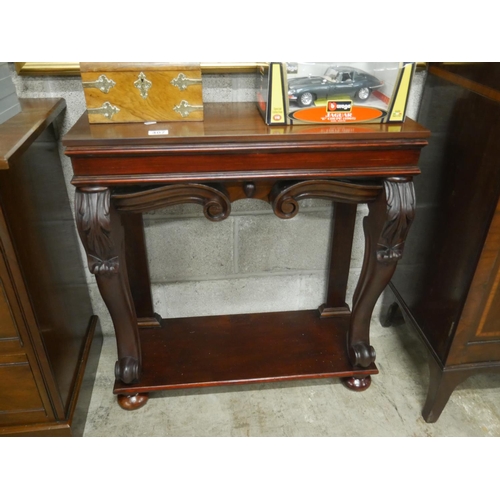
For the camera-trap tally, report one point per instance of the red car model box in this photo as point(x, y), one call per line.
point(329, 93)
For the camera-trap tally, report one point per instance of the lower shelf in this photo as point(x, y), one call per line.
point(246, 348)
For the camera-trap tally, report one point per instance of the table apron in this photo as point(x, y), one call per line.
point(335, 163)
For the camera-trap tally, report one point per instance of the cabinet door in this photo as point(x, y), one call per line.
point(478, 334)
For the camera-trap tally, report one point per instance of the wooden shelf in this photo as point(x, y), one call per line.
point(237, 349)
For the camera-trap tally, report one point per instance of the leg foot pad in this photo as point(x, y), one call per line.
point(132, 402)
point(357, 384)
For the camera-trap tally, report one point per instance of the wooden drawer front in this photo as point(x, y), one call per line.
point(141, 96)
point(20, 401)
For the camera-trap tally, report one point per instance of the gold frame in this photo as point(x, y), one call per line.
point(73, 68)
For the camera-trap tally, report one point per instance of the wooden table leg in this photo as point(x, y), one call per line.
point(344, 218)
point(442, 383)
point(138, 270)
point(385, 228)
point(102, 235)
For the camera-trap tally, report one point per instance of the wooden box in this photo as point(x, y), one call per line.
point(142, 92)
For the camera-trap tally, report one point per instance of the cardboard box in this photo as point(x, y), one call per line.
point(330, 93)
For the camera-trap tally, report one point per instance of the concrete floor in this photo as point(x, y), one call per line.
point(390, 407)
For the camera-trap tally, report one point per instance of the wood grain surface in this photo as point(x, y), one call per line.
point(159, 102)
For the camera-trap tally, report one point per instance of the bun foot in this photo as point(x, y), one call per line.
point(132, 402)
point(357, 384)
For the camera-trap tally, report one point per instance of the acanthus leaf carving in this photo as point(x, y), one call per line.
point(94, 226)
point(400, 198)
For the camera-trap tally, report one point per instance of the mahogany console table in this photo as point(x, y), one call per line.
point(121, 171)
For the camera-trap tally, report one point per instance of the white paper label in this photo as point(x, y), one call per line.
point(157, 132)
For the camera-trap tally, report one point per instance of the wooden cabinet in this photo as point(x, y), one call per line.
point(448, 284)
point(49, 342)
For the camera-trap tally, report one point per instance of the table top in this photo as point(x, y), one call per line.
point(232, 143)
point(231, 122)
point(17, 133)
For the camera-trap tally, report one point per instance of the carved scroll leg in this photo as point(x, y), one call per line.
point(385, 228)
point(102, 235)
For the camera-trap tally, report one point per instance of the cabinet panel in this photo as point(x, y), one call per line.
point(8, 328)
point(47, 354)
point(20, 401)
point(477, 337)
point(44, 237)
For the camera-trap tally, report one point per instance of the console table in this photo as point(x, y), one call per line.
point(122, 170)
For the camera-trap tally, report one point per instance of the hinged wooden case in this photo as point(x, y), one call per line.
point(142, 92)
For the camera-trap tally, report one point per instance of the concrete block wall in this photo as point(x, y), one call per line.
point(252, 261)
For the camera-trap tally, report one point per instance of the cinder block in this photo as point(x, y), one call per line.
point(4, 70)
point(239, 296)
point(229, 88)
point(250, 205)
point(189, 248)
point(235, 296)
point(254, 205)
point(6, 87)
point(9, 107)
point(187, 209)
point(269, 244)
point(9, 102)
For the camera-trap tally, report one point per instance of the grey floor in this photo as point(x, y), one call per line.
point(390, 407)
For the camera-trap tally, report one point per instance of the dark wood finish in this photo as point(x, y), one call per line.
point(25, 127)
point(50, 341)
point(285, 197)
point(385, 227)
point(233, 143)
point(344, 220)
point(132, 401)
point(226, 350)
point(234, 155)
point(102, 235)
point(448, 290)
point(135, 252)
point(357, 384)
point(216, 204)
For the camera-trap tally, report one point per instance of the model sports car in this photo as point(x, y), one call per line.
point(337, 80)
